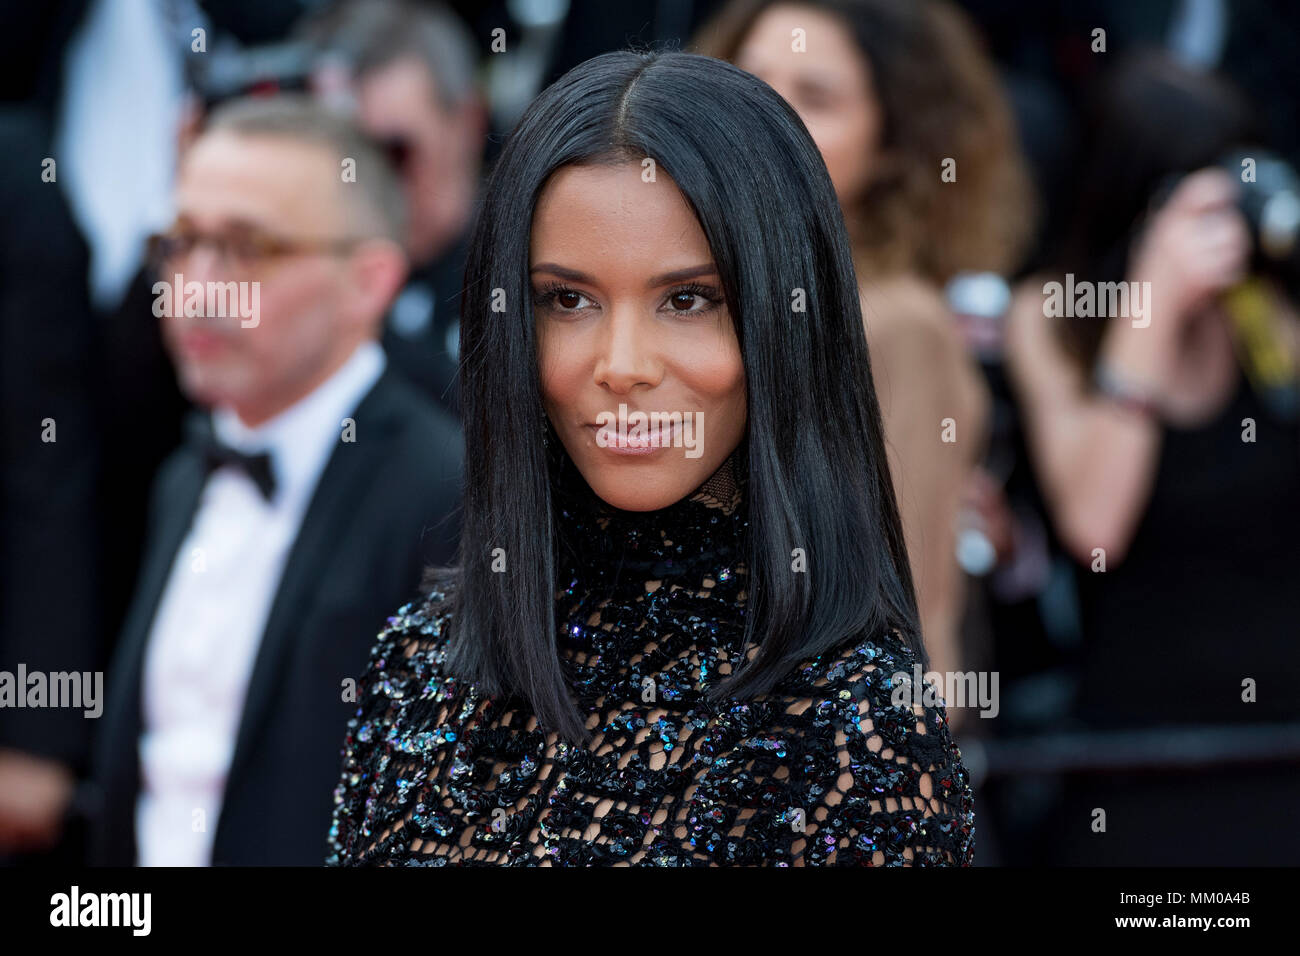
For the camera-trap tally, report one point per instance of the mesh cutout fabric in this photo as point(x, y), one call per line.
point(823, 770)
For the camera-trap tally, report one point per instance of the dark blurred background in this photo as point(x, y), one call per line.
point(1119, 689)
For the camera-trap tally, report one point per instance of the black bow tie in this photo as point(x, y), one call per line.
point(214, 453)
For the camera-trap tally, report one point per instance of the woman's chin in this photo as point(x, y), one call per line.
point(641, 488)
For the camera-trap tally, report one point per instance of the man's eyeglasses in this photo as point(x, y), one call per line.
point(240, 252)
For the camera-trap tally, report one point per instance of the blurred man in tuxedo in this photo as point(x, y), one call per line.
point(300, 512)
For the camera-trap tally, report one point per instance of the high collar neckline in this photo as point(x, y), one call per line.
point(703, 529)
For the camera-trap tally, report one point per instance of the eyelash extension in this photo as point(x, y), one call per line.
point(545, 296)
point(707, 293)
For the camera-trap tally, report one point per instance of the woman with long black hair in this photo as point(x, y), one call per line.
point(682, 629)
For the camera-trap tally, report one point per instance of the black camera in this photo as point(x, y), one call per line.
point(1270, 203)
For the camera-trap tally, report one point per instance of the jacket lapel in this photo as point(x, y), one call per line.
point(344, 479)
point(119, 751)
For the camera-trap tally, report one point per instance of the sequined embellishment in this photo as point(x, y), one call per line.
point(823, 770)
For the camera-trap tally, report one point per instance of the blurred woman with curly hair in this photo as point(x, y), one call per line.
point(921, 146)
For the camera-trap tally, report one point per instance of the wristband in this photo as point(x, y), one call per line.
point(1125, 393)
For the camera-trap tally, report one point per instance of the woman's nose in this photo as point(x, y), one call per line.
point(628, 354)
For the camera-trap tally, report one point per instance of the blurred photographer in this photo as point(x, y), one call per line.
point(1155, 369)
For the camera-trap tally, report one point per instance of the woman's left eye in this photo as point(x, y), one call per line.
point(693, 300)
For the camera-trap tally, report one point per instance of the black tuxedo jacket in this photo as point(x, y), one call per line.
point(385, 506)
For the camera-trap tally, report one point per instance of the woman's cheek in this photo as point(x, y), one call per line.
point(553, 364)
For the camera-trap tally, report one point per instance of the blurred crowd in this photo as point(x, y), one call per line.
point(1075, 231)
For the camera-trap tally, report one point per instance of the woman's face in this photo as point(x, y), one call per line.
point(829, 85)
point(630, 315)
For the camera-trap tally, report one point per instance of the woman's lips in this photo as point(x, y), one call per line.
point(644, 443)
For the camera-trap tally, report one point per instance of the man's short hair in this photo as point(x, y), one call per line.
point(371, 34)
point(373, 196)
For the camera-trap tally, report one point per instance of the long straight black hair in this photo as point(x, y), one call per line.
point(819, 479)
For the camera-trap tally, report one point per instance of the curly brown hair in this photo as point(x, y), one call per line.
point(941, 98)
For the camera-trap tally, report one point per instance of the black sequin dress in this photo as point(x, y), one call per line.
point(823, 770)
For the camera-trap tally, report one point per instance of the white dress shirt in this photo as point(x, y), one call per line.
point(214, 608)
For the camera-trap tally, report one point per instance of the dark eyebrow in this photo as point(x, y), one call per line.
point(245, 225)
point(235, 225)
point(679, 275)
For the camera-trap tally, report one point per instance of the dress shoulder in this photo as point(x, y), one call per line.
point(413, 638)
point(861, 771)
point(405, 663)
